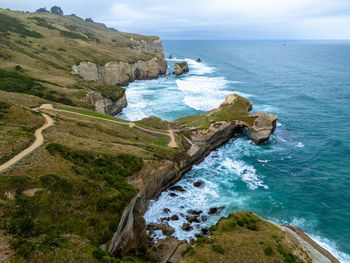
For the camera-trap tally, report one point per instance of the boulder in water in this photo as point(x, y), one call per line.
point(177, 188)
point(197, 184)
point(186, 227)
point(170, 56)
point(181, 68)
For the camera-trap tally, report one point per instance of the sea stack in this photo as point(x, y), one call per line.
point(181, 68)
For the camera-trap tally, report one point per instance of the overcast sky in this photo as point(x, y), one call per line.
point(211, 19)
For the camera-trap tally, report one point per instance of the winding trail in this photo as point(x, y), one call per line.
point(39, 140)
point(170, 134)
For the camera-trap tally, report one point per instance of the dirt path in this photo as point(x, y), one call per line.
point(39, 140)
point(170, 134)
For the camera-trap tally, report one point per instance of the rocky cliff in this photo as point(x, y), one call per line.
point(105, 105)
point(156, 176)
point(122, 73)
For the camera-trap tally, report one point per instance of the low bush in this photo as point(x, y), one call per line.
point(55, 183)
point(268, 250)
point(187, 250)
point(218, 249)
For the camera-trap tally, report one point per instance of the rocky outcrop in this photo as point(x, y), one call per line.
point(120, 73)
point(167, 250)
point(156, 176)
point(105, 105)
point(264, 125)
point(181, 68)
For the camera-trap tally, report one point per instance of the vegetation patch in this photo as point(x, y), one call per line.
point(10, 24)
point(16, 82)
point(234, 243)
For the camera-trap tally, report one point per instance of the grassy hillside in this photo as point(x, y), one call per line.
point(37, 51)
point(66, 199)
point(244, 237)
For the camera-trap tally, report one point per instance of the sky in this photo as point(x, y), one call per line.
point(211, 19)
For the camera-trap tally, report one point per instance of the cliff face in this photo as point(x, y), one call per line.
point(105, 105)
point(156, 176)
point(122, 73)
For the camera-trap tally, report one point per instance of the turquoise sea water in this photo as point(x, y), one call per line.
point(302, 175)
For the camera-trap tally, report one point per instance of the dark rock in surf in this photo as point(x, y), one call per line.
point(186, 227)
point(198, 184)
point(174, 218)
point(177, 188)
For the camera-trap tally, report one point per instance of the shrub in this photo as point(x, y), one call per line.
point(187, 250)
point(55, 183)
point(22, 246)
point(23, 227)
point(18, 68)
point(218, 249)
point(268, 250)
point(252, 227)
point(72, 35)
point(213, 228)
point(240, 222)
point(288, 257)
point(42, 10)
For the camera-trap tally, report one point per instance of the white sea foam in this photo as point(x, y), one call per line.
point(246, 172)
point(300, 145)
point(199, 68)
point(332, 248)
point(203, 93)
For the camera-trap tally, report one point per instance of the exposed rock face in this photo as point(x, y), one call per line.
point(264, 125)
point(167, 250)
point(156, 176)
point(105, 105)
point(121, 73)
point(181, 68)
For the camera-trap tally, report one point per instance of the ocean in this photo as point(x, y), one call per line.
point(302, 175)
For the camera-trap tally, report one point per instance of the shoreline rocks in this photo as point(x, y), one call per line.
point(181, 68)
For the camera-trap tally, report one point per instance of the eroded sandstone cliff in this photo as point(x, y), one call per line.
point(122, 73)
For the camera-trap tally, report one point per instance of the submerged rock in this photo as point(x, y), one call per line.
point(193, 219)
point(195, 212)
point(166, 210)
point(172, 194)
point(174, 218)
point(186, 227)
point(177, 188)
point(165, 228)
point(198, 184)
point(199, 60)
point(181, 68)
point(205, 231)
